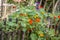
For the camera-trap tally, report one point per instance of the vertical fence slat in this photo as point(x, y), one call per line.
point(18, 35)
point(23, 35)
point(2, 36)
point(12, 34)
point(8, 36)
point(27, 35)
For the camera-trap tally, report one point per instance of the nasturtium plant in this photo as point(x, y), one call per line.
point(30, 20)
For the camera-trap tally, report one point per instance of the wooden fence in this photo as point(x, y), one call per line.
point(16, 35)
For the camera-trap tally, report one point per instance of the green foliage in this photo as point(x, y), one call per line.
point(38, 29)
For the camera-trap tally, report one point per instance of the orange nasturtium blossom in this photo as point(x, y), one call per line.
point(54, 17)
point(14, 6)
point(40, 6)
point(59, 16)
point(41, 35)
point(37, 20)
point(30, 21)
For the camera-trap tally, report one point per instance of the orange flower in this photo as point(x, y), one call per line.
point(14, 6)
point(40, 7)
point(30, 21)
point(54, 17)
point(59, 16)
point(37, 20)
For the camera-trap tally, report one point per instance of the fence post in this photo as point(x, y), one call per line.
point(18, 34)
point(0, 34)
point(1, 8)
